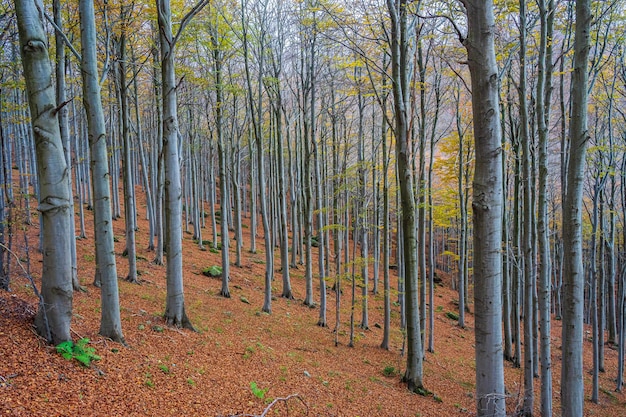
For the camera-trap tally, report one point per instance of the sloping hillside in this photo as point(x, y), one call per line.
point(167, 372)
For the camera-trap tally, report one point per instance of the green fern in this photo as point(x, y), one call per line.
point(79, 351)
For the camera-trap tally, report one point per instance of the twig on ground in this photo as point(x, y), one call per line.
point(285, 400)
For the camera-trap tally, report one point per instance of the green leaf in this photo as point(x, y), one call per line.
point(65, 347)
point(256, 391)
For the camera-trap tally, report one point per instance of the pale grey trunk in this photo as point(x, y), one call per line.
point(79, 177)
point(421, 189)
point(64, 130)
point(222, 151)
point(278, 109)
point(320, 230)
point(506, 256)
point(572, 393)
point(256, 111)
point(55, 311)
point(386, 233)
point(528, 214)
point(253, 194)
point(362, 229)
point(106, 268)
point(487, 209)
point(144, 166)
point(237, 203)
point(544, 94)
point(612, 269)
point(399, 44)
point(431, 235)
point(158, 174)
point(175, 303)
point(129, 183)
point(284, 243)
point(462, 215)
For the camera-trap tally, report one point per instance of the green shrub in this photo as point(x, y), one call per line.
point(79, 351)
point(390, 370)
point(212, 271)
point(452, 315)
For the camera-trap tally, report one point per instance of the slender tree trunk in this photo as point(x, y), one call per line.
point(386, 234)
point(400, 83)
point(462, 216)
point(362, 214)
point(527, 235)
point(487, 209)
point(544, 94)
point(106, 268)
point(64, 130)
point(572, 393)
point(144, 166)
point(175, 303)
point(129, 183)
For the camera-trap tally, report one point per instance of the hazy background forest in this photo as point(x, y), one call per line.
point(374, 149)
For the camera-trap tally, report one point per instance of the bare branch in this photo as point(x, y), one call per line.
point(183, 23)
point(65, 39)
point(450, 20)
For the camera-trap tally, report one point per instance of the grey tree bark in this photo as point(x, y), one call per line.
point(277, 104)
point(487, 209)
point(175, 303)
point(544, 94)
point(55, 311)
point(255, 101)
point(128, 178)
point(400, 35)
point(462, 240)
point(106, 267)
point(222, 149)
point(64, 127)
point(572, 393)
point(528, 214)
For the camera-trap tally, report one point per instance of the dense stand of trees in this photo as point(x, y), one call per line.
point(366, 132)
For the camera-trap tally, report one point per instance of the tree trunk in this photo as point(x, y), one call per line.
point(527, 234)
point(487, 209)
point(572, 393)
point(129, 183)
point(55, 309)
point(106, 268)
point(175, 304)
point(64, 130)
point(400, 83)
point(544, 94)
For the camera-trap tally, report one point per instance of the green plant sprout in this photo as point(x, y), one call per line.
point(256, 391)
point(79, 351)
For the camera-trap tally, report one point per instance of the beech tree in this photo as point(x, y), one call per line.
point(106, 267)
point(486, 208)
point(572, 394)
point(544, 93)
point(399, 43)
point(55, 309)
point(175, 304)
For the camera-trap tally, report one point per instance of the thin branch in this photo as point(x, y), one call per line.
point(450, 20)
point(285, 399)
point(196, 9)
point(35, 290)
point(65, 39)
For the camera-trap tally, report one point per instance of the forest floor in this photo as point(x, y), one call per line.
point(165, 371)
